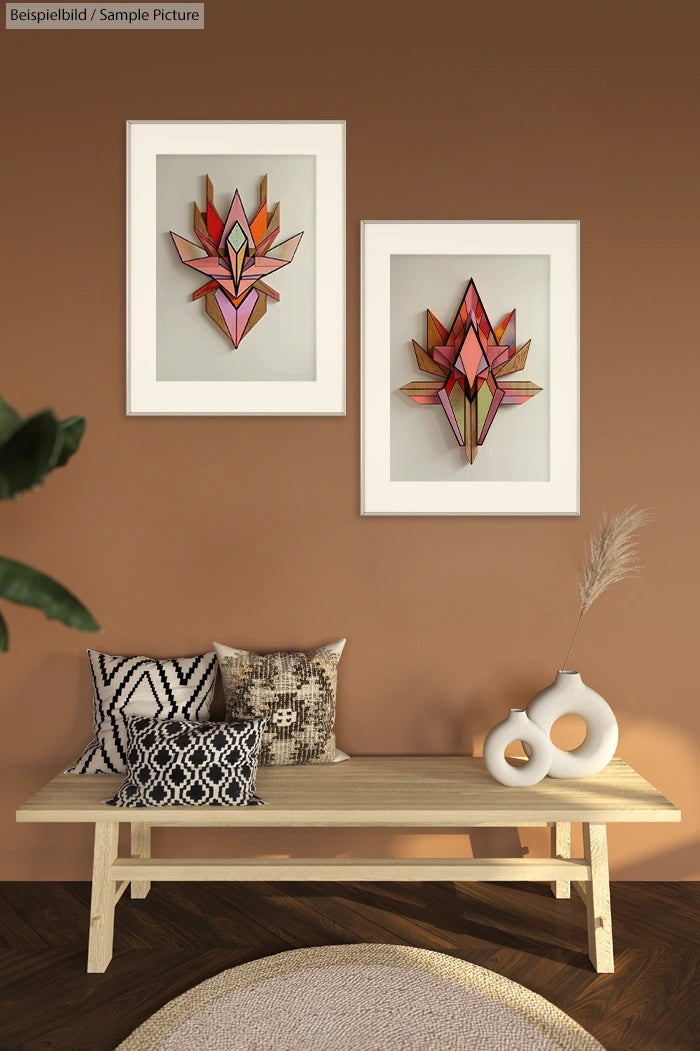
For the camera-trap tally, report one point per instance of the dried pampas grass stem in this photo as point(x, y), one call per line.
point(611, 556)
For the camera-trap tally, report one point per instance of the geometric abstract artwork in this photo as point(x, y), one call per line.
point(236, 352)
point(236, 255)
point(458, 440)
point(474, 363)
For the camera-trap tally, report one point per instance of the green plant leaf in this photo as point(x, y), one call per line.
point(71, 432)
point(9, 418)
point(28, 454)
point(20, 583)
point(4, 637)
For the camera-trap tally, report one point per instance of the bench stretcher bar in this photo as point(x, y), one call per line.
point(379, 869)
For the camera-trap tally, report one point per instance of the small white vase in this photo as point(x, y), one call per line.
point(569, 695)
point(517, 727)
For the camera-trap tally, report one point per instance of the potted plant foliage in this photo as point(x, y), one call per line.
point(30, 448)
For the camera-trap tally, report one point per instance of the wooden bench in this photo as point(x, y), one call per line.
point(386, 792)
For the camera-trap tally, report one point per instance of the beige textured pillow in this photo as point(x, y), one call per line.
point(295, 692)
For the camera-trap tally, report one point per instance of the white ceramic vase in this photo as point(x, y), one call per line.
point(567, 695)
point(517, 727)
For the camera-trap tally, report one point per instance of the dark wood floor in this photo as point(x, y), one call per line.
point(184, 933)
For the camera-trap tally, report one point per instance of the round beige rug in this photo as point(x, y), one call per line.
point(359, 998)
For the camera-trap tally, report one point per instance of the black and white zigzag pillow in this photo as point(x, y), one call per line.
point(176, 763)
point(178, 688)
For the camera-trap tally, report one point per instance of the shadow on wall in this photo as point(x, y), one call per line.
point(425, 719)
point(442, 730)
point(682, 860)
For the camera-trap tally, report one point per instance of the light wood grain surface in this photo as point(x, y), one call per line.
point(560, 836)
point(345, 869)
point(597, 898)
point(105, 894)
point(140, 848)
point(391, 791)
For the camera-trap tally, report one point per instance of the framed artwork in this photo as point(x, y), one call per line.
point(470, 368)
point(235, 267)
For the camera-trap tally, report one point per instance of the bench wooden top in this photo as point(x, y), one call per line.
point(377, 791)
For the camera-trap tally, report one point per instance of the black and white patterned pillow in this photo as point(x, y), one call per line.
point(178, 688)
point(176, 763)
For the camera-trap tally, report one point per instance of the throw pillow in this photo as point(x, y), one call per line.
point(179, 688)
point(295, 692)
point(171, 762)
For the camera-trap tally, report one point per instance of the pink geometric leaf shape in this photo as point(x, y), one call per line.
point(449, 412)
point(471, 355)
point(286, 249)
point(261, 266)
point(236, 318)
point(210, 265)
point(186, 250)
point(267, 290)
point(207, 243)
point(445, 355)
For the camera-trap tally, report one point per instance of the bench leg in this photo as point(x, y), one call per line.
point(600, 945)
point(140, 848)
point(561, 848)
point(104, 896)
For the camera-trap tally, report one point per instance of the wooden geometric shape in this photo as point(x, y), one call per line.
point(484, 398)
point(273, 219)
point(426, 363)
point(437, 333)
point(259, 311)
point(514, 364)
point(214, 312)
point(457, 401)
point(505, 332)
point(471, 446)
point(424, 392)
point(472, 355)
point(215, 224)
point(515, 392)
point(199, 222)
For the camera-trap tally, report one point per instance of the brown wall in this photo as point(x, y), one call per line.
point(176, 531)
